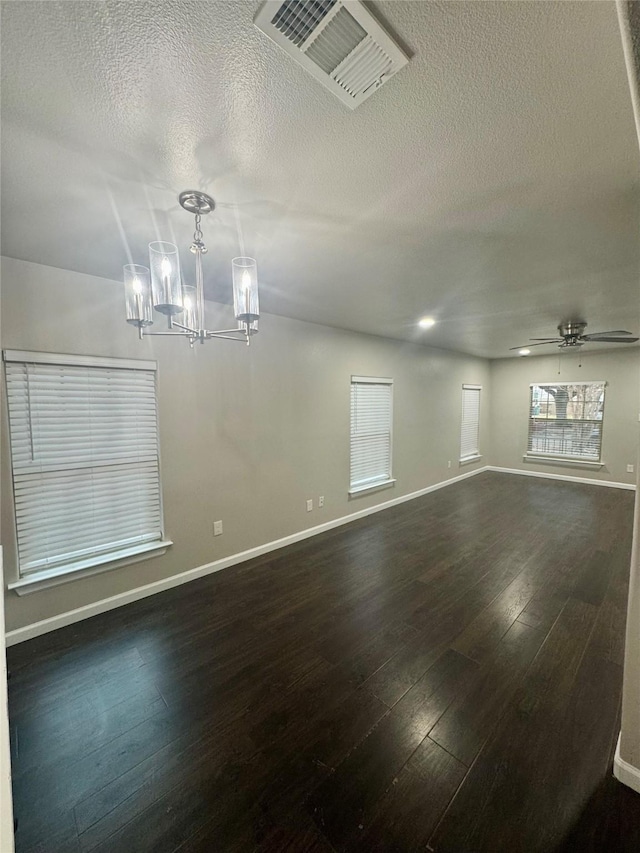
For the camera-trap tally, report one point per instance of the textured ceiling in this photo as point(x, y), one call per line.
point(493, 183)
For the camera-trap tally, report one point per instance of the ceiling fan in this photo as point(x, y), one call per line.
point(572, 335)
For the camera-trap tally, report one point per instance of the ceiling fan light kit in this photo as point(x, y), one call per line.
point(572, 335)
point(160, 287)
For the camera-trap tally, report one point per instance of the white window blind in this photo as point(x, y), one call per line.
point(84, 451)
point(371, 419)
point(470, 422)
point(565, 421)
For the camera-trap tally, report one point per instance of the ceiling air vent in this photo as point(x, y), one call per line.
point(338, 41)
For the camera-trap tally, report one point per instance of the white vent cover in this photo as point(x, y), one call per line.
point(338, 41)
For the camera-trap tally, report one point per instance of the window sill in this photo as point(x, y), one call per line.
point(65, 574)
point(362, 490)
point(468, 459)
point(562, 460)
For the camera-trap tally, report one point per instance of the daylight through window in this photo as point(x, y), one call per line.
point(371, 418)
point(469, 431)
point(565, 421)
point(84, 453)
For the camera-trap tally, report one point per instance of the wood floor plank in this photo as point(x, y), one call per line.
point(516, 777)
point(483, 634)
point(172, 818)
point(593, 579)
point(607, 640)
point(115, 668)
point(112, 806)
point(48, 831)
point(405, 816)
point(51, 737)
point(468, 722)
point(289, 712)
point(60, 785)
point(341, 729)
point(343, 801)
point(543, 609)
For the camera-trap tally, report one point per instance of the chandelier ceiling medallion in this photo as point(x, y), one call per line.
point(159, 286)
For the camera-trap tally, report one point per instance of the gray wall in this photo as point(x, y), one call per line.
point(247, 434)
point(510, 380)
point(630, 726)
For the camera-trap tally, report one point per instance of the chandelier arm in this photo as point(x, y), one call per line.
point(186, 328)
point(180, 334)
point(227, 334)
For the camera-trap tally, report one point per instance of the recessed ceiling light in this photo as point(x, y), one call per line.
point(524, 352)
point(426, 322)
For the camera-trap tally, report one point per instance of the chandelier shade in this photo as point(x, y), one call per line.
point(164, 264)
point(245, 289)
point(137, 290)
point(161, 286)
point(189, 301)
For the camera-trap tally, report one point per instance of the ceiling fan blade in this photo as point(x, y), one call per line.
point(541, 344)
point(603, 340)
point(548, 340)
point(600, 334)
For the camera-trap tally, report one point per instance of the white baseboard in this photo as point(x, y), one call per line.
point(19, 635)
point(625, 772)
point(545, 476)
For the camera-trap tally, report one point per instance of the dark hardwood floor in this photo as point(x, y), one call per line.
point(443, 676)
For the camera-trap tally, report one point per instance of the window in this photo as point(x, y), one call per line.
point(84, 452)
point(565, 421)
point(470, 423)
point(371, 419)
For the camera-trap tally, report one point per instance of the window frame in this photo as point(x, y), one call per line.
point(390, 479)
point(26, 582)
point(473, 457)
point(566, 458)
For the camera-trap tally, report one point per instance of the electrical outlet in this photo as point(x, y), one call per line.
point(449, 464)
point(629, 469)
point(321, 501)
point(217, 528)
point(309, 506)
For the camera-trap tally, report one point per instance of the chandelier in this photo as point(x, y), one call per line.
point(159, 286)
